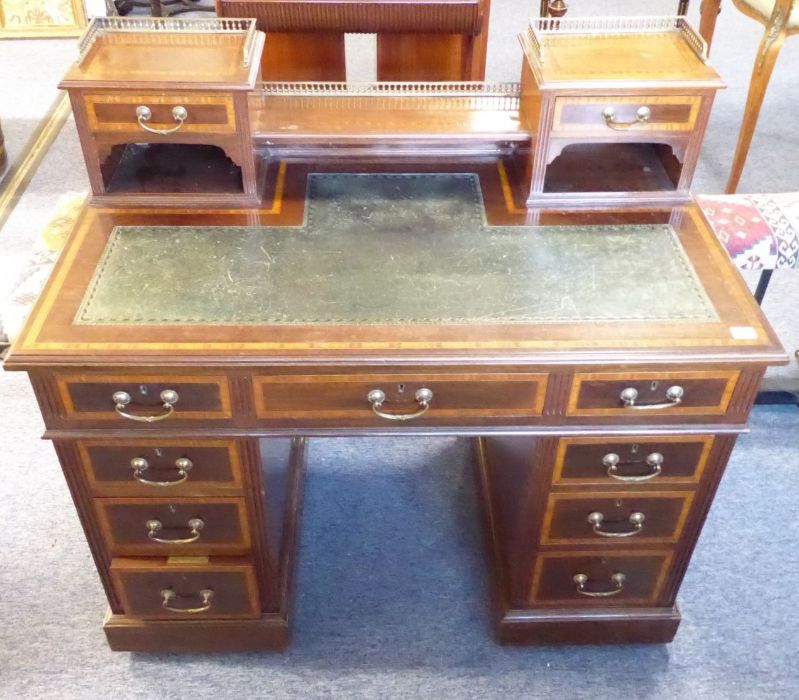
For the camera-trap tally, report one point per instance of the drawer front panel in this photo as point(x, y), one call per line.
point(148, 588)
point(205, 113)
point(161, 467)
point(586, 115)
point(615, 518)
point(92, 397)
point(492, 398)
point(160, 526)
point(631, 461)
point(598, 394)
point(619, 579)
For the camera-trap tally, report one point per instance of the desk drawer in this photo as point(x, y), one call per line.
point(184, 588)
point(136, 400)
point(615, 518)
point(586, 116)
point(395, 399)
point(159, 526)
point(638, 395)
point(631, 461)
point(143, 467)
point(204, 114)
point(599, 580)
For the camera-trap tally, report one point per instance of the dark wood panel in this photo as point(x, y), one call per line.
point(588, 460)
point(703, 392)
point(304, 56)
point(91, 396)
point(423, 57)
point(141, 582)
point(126, 525)
point(111, 467)
point(567, 519)
point(553, 580)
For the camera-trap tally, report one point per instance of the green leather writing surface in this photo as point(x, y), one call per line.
point(393, 249)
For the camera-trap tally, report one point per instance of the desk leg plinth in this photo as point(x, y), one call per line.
point(513, 481)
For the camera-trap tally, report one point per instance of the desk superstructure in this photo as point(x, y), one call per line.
point(602, 361)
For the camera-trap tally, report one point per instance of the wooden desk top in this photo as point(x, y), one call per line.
point(703, 313)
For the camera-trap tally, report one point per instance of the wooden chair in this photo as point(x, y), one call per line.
point(781, 18)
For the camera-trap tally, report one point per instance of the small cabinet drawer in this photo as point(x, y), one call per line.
point(590, 579)
point(631, 460)
point(163, 116)
point(159, 526)
point(139, 400)
point(161, 467)
point(397, 399)
point(625, 115)
point(186, 588)
point(639, 395)
point(615, 518)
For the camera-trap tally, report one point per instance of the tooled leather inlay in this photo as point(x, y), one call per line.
point(393, 248)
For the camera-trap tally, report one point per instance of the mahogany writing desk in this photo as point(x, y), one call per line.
point(604, 363)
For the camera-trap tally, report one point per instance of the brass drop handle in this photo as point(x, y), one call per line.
point(636, 520)
point(144, 114)
point(168, 595)
point(140, 465)
point(629, 396)
point(122, 398)
point(654, 460)
point(618, 586)
point(642, 116)
point(155, 526)
point(377, 397)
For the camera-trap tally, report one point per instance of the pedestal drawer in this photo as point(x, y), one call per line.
point(391, 399)
point(159, 526)
point(183, 588)
point(632, 461)
point(614, 518)
point(161, 467)
point(138, 400)
point(591, 579)
point(638, 395)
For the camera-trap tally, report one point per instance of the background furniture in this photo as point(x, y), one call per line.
point(36, 19)
point(780, 18)
point(416, 39)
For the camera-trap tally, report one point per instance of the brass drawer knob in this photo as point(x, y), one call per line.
point(140, 465)
point(642, 116)
point(121, 399)
point(674, 396)
point(612, 460)
point(155, 526)
point(377, 397)
point(168, 595)
point(636, 520)
point(144, 114)
point(618, 586)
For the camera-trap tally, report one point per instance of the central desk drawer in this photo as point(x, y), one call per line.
point(625, 116)
point(175, 114)
point(158, 526)
point(136, 400)
point(186, 588)
point(162, 467)
point(607, 580)
point(615, 518)
point(393, 399)
point(639, 395)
